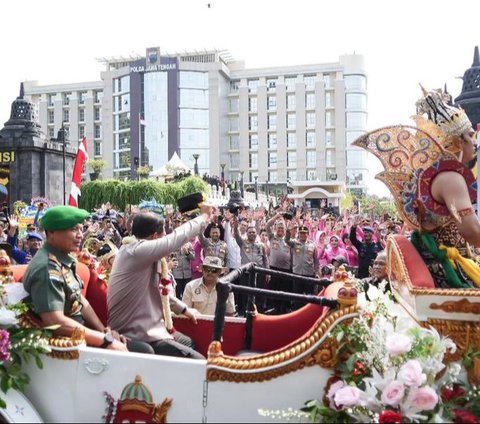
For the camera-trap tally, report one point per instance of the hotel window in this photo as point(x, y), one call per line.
point(51, 117)
point(291, 121)
point(311, 174)
point(291, 101)
point(272, 122)
point(309, 82)
point(328, 99)
point(252, 86)
point(233, 108)
point(272, 103)
point(51, 132)
point(66, 99)
point(234, 124)
point(311, 158)
point(271, 84)
point(291, 139)
point(253, 141)
point(272, 159)
point(272, 141)
point(327, 80)
point(81, 97)
point(124, 160)
point(252, 104)
point(329, 139)
point(96, 112)
point(356, 120)
point(253, 160)
point(292, 158)
point(310, 119)
point(310, 100)
point(252, 123)
point(66, 115)
point(253, 175)
point(98, 96)
point(123, 140)
point(329, 157)
point(98, 150)
point(310, 139)
point(354, 177)
point(292, 175)
point(98, 131)
point(81, 131)
point(356, 101)
point(234, 86)
point(81, 115)
point(234, 142)
point(355, 82)
point(290, 83)
point(328, 119)
point(351, 136)
point(272, 176)
point(234, 160)
point(50, 98)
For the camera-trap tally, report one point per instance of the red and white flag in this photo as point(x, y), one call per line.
point(82, 157)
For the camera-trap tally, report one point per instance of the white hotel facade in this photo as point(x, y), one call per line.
point(290, 124)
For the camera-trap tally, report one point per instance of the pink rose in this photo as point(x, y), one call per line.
point(411, 373)
point(422, 399)
point(393, 394)
point(397, 344)
point(347, 396)
point(331, 393)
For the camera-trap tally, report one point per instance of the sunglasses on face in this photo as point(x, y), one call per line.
point(211, 270)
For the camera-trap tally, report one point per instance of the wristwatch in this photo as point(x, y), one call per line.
point(107, 340)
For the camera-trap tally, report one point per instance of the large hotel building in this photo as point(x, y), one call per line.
point(286, 125)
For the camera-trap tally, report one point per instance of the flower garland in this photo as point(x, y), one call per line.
point(17, 344)
point(165, 287)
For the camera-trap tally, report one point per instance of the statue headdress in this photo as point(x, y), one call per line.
point(451, 120)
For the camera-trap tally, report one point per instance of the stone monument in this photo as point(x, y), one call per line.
point(469, 98)
point(32, 165)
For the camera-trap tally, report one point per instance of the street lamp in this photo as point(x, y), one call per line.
point(62, 137)
point(223, 177)
point(196, 156)
point(256, 187)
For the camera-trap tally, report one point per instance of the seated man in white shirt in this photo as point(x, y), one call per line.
point(201, 294)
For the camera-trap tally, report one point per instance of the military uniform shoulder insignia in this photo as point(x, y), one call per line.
point(53, 258)
point(55, 274)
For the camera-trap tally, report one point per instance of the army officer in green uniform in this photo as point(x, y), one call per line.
point(55, 288)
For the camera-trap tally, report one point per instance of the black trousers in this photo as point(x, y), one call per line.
point(281, 283)
point(180, 346)
point(181, 283)
point(241, 299)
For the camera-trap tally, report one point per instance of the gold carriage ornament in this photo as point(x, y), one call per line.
point(347, 295)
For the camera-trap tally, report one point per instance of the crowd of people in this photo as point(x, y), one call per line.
point(125, 248)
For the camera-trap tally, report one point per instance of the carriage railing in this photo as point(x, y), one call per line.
point(226, 284)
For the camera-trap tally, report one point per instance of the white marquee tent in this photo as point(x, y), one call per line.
point(174, 165)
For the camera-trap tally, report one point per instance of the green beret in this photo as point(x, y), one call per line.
point(63, 217)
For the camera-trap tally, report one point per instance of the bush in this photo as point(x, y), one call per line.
point(123, 193)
